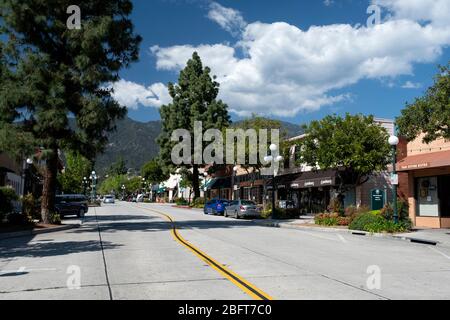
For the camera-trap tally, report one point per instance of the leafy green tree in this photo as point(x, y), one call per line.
point(429, 114)
point(112, 184)
point(194, 98)
point(260, 123)
point(153, 172)
point(118, 168)
point(51, 73)
point(354, 145)
point(77, 167)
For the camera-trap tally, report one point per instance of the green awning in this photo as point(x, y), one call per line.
point(161, 190)
point(210, 183)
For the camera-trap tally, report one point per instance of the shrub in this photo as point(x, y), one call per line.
point(352, 211)
point(55, 218)
point(327, 219)
point(344, 221)
point(181, 202)
point(30, 207)
point(335, 206)
point(402, 209)
point(375, 222)
point(365, 221)
point(199, 203)
point(7, 196)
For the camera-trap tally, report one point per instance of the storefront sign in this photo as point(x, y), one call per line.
point(416, 166)
point(295, 185)
point(326, 182)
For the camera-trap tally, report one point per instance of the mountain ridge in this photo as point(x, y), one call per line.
point(135, 142)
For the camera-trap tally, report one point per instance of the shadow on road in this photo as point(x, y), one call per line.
point(22, 247)
point(142, 223)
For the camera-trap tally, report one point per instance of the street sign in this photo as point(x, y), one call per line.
point(394, 179)
point(377, 199)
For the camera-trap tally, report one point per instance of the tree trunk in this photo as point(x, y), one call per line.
point(49, 188)
point(195, 182)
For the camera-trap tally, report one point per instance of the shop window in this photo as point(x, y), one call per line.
point(427, 197)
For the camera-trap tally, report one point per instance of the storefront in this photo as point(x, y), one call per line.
point(425, 181)
point(310, 192)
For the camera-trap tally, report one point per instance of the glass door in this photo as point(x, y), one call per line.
point(427, 197)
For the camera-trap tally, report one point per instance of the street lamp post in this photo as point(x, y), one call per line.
point(205, 189)
point(85, 184)
point(123, 192)
point(274, 159)
point(143, 186)
point(393, 141)
point(93, 178)
point(235, 169)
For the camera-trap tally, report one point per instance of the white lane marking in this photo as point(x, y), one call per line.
point(440, 252)
point(25, 269)
point(341, 238)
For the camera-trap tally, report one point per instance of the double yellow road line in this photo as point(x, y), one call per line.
point(237, 280)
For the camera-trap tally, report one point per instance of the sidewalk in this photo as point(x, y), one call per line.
point(440, 237)
point(40, 229)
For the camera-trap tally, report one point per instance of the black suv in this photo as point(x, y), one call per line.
point(71, 204)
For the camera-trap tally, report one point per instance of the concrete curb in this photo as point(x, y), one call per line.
point(277, 224)
point(33, 232)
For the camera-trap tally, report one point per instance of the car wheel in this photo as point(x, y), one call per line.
point(80, 213)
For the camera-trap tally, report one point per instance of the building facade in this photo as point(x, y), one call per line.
point(424, 181)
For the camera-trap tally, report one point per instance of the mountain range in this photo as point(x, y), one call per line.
point(135, 142)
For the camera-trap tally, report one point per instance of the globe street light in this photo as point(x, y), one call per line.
point(274, 159)
point(93, 178)
point(393, 141)
point(235, 169)
point(123, 192)
point(85, 184)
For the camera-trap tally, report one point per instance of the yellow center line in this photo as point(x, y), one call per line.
point(237, 280)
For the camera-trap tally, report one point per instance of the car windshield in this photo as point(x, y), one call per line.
point(248, 203)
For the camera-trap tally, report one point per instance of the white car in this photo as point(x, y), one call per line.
point(109, 199)
point(140, 198)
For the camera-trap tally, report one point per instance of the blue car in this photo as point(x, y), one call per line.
point(215, 206)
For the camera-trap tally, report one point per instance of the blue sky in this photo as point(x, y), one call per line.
point(268, 30)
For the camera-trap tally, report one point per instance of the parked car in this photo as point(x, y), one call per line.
point(71, 204)
point(215, 206)
point(109, 199)
point(242, 209)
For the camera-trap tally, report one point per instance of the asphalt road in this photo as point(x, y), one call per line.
point(130, 251)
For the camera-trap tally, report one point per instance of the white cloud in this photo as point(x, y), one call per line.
point(328, 3)
point(411, 85)
point(434, 11)
point(228, 19)
point(132, 94)
point(286, 70)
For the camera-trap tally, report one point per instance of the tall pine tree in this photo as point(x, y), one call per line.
point(194, 99)
point(51, 73)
